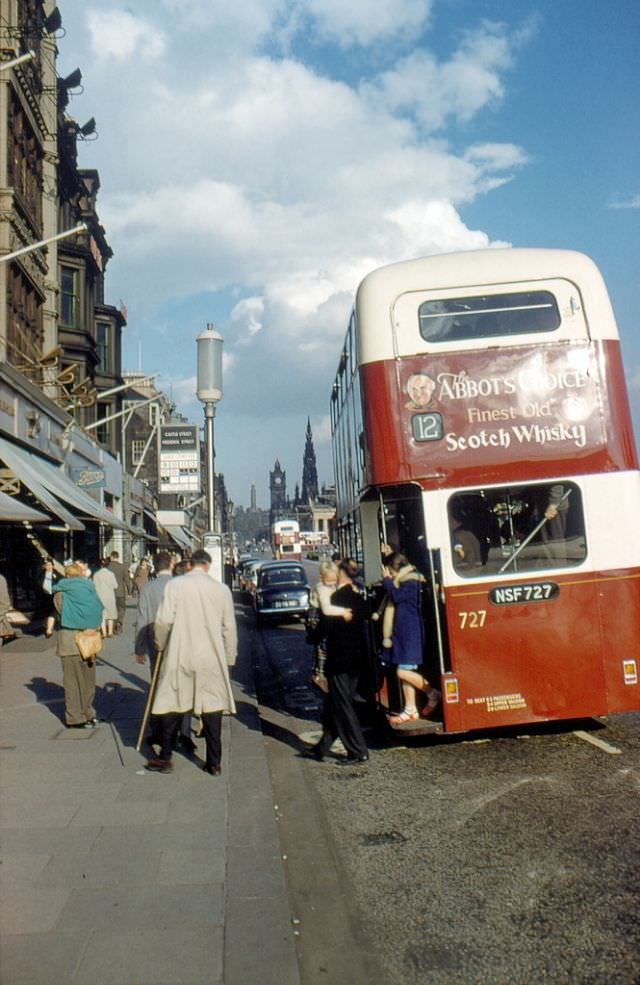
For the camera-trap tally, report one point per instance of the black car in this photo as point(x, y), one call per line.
point(282, 591)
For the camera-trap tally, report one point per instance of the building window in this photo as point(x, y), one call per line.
point(24, 328)
point(155, 415)
point(137, 451)
point(103, 347)
point(24, 160)
point(69, 301)
point(103, 434)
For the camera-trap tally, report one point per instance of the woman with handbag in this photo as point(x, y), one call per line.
point(80, 611)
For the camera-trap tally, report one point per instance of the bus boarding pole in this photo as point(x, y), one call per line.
point(150, 696)
point(530, 536)
point(435, 589)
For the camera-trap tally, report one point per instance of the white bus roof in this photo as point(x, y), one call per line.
point(478, 269)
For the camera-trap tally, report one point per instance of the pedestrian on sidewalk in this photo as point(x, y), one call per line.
point(106, 585)
point(80, 608)
point(141, 576)
point(123, 589)
point(7, 631)
point(346, 649)
point(144, 644)
point(48, 609)
point(196, 629)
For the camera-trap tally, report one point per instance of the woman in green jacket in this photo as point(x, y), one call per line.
point(77, 602)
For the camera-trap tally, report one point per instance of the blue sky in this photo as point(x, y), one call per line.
point(257, 160)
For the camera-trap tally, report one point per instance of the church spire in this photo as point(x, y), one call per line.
point(309, 469)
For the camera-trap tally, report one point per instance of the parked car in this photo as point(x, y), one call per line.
point(249, 576)
point(281, 592)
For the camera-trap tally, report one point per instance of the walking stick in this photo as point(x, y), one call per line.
point(530, 536)
point(150, 696)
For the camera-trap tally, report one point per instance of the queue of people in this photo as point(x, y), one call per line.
point(337, 633)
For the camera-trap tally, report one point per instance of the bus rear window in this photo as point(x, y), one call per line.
point(488, 315)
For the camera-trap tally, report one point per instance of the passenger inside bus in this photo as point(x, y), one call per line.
point(519, 528)
point(465, 545)
point(403, 635)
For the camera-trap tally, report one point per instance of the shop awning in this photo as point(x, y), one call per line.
point(20, 463)
point(142, 534)
point(13, 511)
point(178, 536)
point(33, 470)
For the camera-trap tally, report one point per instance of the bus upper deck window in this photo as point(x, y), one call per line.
point(489, 315)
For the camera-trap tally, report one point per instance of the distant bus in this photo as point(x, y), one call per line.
point(481, 427)
point(313, 538)
point(285, 540)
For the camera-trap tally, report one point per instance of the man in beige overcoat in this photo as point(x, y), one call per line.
point(195, 628)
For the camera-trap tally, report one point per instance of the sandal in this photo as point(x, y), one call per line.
point(404, 716)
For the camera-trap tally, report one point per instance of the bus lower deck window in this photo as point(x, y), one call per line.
point(514, 529)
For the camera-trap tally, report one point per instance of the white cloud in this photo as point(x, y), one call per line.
point(629, 203)
point(434, 91)
point(241, 25)
point(437, 227)
point(364, 22)
point(247, 316)
point(119, 35)
point(321, 430)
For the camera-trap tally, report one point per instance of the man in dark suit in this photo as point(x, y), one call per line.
point(123, 589)
point(149, 601)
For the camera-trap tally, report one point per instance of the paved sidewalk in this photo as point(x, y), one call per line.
point(114, 876)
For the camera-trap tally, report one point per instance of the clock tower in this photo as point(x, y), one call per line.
point(278, 490)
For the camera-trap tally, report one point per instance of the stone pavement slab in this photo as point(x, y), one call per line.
point(114, 876)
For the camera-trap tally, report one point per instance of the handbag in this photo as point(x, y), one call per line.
point(17, 618)
point(89, 643)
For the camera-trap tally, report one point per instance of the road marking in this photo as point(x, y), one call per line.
point(600, 743)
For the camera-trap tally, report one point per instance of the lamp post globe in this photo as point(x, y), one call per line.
point(209, 392)
point(209, 379)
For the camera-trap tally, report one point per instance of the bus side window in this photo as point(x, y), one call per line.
point(515, 529)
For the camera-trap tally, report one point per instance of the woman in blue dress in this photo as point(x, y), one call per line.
point(403, 634)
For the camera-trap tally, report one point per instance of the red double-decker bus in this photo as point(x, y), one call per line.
point(481, 427)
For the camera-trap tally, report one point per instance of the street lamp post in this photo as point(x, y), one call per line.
point(209, 392)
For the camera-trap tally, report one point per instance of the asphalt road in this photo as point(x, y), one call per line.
point(509, 860)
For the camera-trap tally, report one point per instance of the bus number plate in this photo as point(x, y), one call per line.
point(539, 591)
point(427, 427)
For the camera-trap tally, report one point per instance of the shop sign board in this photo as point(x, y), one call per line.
point(179, 458)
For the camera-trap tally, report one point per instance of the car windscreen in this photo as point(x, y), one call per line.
point(282, 576)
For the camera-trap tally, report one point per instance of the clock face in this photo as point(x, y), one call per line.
point(277, 481)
